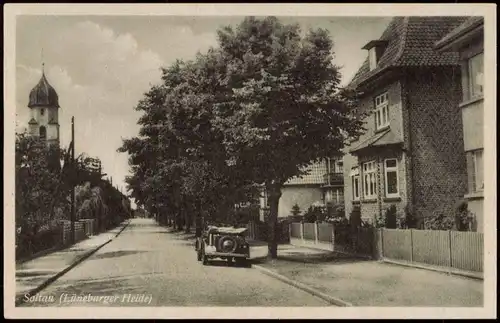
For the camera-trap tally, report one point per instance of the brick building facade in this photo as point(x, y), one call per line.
point(410, 154)
point(468, 40)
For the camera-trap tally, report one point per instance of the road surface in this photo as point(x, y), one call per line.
point(147, 266)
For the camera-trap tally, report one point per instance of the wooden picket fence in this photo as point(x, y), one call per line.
point(53, 238)
point(451, 249)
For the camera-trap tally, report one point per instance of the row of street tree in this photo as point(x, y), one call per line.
point(244, 116)
point(45, 178)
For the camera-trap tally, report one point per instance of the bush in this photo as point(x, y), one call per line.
point(439, 222)
point(408, 220)
point(315, 213)
point(336, 214)
point(355, 217)
point(391, 217)
point(296, 210)
point(464, 219)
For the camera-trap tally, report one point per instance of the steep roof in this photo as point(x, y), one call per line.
point(43, 95)
point(410, 42)
point(468, 25)
point(315, 175)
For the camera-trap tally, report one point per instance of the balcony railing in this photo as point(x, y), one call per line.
point(333, 179)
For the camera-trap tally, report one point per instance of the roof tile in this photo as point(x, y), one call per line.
point(315, 174)
point(411, 43)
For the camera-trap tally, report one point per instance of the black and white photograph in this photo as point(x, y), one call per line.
point(249, 161)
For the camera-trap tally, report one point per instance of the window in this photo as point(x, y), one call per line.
point(391, 178)
point(382, 111)
point(372, 56)
point(477, 184)
point(355, 183)
point(369, 180)
point(475, 66)
point(43, 133)
point(339, 167)
point(42, 111)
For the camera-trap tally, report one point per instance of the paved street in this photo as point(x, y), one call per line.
point(146, 266)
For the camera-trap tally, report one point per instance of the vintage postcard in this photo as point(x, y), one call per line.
point(249, 161)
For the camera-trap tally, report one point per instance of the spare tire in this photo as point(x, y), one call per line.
point(227, 244)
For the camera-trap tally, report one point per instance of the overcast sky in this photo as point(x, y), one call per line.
point(101, 65)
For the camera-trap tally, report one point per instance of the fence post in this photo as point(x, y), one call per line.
point(451, 250)
point(290, 232)
point(411, 245)
point(382, 253)
point(333, 237)
point(316, 232)
point(301, 232)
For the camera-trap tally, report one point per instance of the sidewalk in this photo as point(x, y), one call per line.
point(357, 282)
point(36, 274)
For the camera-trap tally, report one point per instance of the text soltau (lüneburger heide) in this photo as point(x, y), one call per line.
point(90, 298)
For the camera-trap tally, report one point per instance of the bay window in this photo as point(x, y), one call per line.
point(369, 180)
point(391, 177)
point(382, 111)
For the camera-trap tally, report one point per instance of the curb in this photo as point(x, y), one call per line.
point(439, 270)
point(20, 300)
point(330, 299)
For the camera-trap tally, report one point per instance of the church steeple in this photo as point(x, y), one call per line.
point(43, 94)
point(44, 106)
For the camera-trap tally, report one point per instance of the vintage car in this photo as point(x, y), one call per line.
point(227, 243)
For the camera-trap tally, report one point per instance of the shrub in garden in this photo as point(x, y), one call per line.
point(355, 217)
point(463, 217)
point(315, 213)
point(391, 217)
point(296, 210)
point(408, 220)
point(439, 222)
point(336, 214)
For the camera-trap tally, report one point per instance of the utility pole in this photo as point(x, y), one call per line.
point(73, 211)
point(99, 212)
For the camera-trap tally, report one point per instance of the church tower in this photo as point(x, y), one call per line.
point(44, 108)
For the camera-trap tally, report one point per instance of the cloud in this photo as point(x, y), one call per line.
point(99, 76)
point(175, 38)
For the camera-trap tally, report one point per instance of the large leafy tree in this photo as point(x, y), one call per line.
point(179, 164)
point(43, 188)
point(38, 184)
point(286, 109)
point(258, 109)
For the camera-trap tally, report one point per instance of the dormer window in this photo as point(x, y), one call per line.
point(375, 50)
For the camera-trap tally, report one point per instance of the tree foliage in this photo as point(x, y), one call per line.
point(257, 109)
point(43, 191)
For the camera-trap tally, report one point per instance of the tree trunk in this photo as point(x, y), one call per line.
point(178, 220)
point(274, 191)
point(187, 219)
